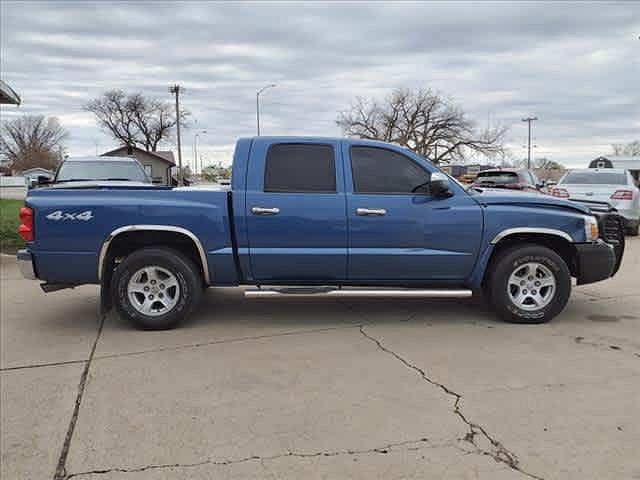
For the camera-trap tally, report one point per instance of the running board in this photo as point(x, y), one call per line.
point(302, 292)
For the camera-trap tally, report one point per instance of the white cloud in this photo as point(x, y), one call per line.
point(575, 66)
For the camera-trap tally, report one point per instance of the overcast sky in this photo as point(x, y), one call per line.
point(576, 66)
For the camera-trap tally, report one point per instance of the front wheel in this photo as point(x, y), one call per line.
point(529, 284)
point(155, 288)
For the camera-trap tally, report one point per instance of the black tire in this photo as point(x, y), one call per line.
point(185, 272)
point(507, 262)
point(633, 228)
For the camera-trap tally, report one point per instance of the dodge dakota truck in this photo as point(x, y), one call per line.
point(316, 217)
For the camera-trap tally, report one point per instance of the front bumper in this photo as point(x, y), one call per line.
point(601, 259)
point(596, 261)
point(25, 264)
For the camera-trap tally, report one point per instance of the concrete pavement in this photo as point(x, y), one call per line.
point(320, 389)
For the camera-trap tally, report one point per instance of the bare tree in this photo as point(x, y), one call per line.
point(541, 163)
point(423, 121)
point(134, 119)
point(631, 149)
point(32, 141)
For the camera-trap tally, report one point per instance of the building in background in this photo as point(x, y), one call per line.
point(157, 165)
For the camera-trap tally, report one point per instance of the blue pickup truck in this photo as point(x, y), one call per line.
point(316, 217)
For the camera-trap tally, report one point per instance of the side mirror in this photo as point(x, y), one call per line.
point(439, 185)
point(39, 180)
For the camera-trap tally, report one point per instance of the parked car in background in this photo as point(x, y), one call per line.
point(97, 169)
point(612, 186)
point(511, 178)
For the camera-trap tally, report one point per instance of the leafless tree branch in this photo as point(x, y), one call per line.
point(424, 121)
point(134, 119)
point(32, 141)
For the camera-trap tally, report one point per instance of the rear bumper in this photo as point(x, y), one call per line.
point(25, 264)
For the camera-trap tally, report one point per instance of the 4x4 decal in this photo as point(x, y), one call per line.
point(60, 215)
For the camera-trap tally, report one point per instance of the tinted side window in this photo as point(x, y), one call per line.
point(300, 168)
point(376, 170)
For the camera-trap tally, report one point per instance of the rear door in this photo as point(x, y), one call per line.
point(295, 210)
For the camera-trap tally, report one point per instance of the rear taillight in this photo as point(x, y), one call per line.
point(560, 193)
point(622, 195)
point(26, 228)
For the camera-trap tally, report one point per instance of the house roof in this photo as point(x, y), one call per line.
point(165, 155)
point(8, 95)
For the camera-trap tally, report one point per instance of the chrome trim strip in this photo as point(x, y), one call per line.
point(161, 228)
point(25, 264)
point(546, 231)
point(357, 293)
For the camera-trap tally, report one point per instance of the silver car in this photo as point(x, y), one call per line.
point(614, 186)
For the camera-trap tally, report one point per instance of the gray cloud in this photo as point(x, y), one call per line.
point(575, 65)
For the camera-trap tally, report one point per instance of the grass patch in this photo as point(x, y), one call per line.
point(9, 222)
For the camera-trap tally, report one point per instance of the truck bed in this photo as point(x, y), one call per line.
point(62, 216)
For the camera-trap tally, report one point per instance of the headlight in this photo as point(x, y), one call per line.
point(590, 228)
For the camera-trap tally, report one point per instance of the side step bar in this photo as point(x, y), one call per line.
point(355, 293)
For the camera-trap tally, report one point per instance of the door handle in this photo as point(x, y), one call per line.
point(371, 212)
point(265, 211)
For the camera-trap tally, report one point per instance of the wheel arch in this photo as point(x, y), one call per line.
point(556, 240)
point(126, 239)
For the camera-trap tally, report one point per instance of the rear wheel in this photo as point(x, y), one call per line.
point(633, 228)
point(156, 288)
point(529, 284)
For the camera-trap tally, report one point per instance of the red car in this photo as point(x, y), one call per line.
point(511, 178)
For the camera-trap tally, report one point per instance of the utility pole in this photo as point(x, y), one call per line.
point(175, 89)
point(529, 120)
point(271, 85)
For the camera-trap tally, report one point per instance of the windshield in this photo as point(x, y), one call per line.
point(101, 170)
point(497, 178)
point(595, 178)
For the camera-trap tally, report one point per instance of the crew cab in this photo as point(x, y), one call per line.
point(317, 217)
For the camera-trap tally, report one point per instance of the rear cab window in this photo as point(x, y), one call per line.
point(300, 168)
point(595, 178)
point(496, 178)
point(78, 171)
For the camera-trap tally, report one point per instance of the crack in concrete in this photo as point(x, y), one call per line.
point(408, 445)
point(40, 365)
point(228, 340)
point(499, 453)
point(60, 472)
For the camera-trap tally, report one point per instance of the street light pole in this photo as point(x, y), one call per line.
point(195, 149)
point(271, 85)
point(529, 120)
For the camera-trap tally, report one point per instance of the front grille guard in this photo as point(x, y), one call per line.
point(611, 228)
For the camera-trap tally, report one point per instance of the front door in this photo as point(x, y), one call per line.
point(295, 208)
point(398, 232)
